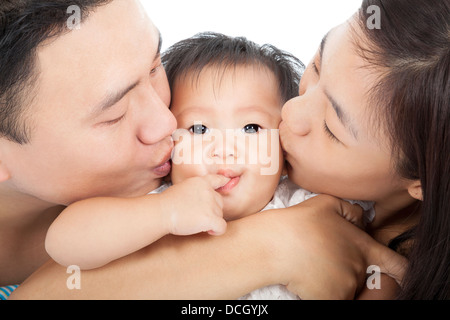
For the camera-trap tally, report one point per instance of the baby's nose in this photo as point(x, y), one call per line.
point(224, 146)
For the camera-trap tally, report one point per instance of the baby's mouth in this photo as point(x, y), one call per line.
point(226, 189)
point(234, 181)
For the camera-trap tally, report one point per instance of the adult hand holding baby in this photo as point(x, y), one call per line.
point(346, 250)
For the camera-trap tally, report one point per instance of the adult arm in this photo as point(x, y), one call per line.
point(309, 248)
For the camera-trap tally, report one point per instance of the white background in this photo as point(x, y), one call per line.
point(296, 26)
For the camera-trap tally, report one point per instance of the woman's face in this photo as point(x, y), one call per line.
point(329, 133)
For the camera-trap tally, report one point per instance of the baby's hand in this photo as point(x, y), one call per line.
point(355, 216)
point(193, 206)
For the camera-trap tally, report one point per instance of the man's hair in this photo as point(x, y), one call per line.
point(191, 56)
point(24, 25)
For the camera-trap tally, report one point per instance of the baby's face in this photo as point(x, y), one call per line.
point(228, 124)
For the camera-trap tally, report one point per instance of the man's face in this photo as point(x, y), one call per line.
point(100, 120)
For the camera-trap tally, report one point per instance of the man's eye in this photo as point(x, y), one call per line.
point(115, 121)
point(154, 70)
point(251, 128)
point(199, 129)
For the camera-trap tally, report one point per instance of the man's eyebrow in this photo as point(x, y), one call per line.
point(112, 98)
point(342, 116)
point(160, 42)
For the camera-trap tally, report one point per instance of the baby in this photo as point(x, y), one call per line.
point(227, 96)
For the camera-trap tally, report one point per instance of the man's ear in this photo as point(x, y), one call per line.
point(415, 190)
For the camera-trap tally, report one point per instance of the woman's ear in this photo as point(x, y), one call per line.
point(415, 190)
point(4, 173)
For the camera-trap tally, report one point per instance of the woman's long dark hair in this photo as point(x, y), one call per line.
point(412, 53)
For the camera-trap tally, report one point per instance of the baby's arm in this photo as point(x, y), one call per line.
point(94, 232)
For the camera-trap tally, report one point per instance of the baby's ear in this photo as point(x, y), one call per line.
point(415, 190)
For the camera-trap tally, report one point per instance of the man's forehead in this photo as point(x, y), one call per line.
point(109, 52)
point(114, 26)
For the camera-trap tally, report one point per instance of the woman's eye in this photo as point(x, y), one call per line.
point(251, 128)
point(199, 129)
point(329, 133)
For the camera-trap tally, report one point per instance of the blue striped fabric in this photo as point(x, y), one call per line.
point(5, 292)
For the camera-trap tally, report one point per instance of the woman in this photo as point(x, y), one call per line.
point(414, 96)
point(384, 95)
point(371, 123)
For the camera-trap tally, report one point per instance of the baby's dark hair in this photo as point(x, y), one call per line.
point(209, 49)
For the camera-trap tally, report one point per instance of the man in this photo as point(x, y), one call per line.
point(89, 118)
point(84, 113)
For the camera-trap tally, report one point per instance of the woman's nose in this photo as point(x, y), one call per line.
point(297, 116)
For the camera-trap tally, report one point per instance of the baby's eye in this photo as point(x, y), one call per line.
point(199, 129)
point(251, 128)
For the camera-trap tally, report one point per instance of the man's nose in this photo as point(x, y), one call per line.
point(156, 121)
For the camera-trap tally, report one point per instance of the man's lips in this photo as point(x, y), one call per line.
point(164, 169)
point(165, 166)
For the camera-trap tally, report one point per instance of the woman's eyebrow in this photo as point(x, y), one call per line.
point(343, 116)
point(322, 46)
point(340, 112)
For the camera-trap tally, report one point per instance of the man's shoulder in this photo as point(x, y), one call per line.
point(22, 249)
